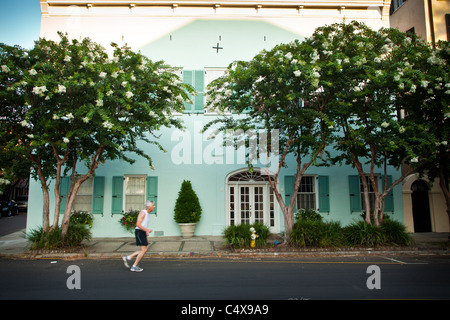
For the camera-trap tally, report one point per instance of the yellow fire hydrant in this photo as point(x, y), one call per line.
point(253, 236)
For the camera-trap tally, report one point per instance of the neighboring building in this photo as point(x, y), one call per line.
point(202, 38)
point(423, 201)
point(430, 19)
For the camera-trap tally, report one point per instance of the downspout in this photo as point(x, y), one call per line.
point(431, 21)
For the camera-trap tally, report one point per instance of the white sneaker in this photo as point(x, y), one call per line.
point(125, 261)
point(136, 269)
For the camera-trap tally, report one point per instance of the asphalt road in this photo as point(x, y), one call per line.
point(224, 279)
point(12, 224)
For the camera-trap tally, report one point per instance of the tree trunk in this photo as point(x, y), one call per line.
point(288, 222)
point(363, 179)
point(46, 209)
point(381, 217)
point(46, 198)
point(74, 186)
point(443, 183)
point(376, 210)
point(58, 197)
point(69, 204)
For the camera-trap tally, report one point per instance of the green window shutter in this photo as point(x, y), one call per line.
point(97, 196)
point(288, 188)
point(355, 194)
point(389, 199)
point(324, 194)
point(152, 191)
point(195, 78)
point(117, 195)
point(188, 78)
point(64, 187)
point(199, 85)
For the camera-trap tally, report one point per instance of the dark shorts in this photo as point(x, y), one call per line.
point(141, 238)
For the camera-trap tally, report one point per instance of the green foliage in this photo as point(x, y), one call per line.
point(262, 231)
point(52, 239)
point(362, 234)
point(82, 217)
point(187, 206)
point(80, 226)
point(68, 102)
point(307, 214)
point(270, 85)
point(390, 232)
point(346, 87)
point(239, 236)
point(276, 90)
point(129, 219)
point(395, 232)
point(314, 232)
point(373, 77)
point(343, 88)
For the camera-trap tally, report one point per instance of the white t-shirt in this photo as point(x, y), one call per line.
point(145, 221)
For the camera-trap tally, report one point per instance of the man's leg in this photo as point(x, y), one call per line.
point(141, 240)
point(140, 254)
point(134, 254)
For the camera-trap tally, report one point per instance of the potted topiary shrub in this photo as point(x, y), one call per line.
point(187, 209)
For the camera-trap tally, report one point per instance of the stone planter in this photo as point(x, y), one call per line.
point(187, 229)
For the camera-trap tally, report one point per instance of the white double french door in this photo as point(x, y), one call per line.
point(250, 203)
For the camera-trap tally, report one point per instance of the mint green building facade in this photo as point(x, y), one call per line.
point(201, 46)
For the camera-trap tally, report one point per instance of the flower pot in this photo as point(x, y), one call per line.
point(187, 229)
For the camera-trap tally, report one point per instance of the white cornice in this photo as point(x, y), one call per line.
point(267, 8)
point(263, 3)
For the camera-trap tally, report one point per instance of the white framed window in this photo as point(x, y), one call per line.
point(83, 200)
point(179, 72)
point(396, 4)
point(371, 192)
point(212, 74)
point(307, 195)
point(135, 191)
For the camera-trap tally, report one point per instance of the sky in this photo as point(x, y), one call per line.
point(20, 22)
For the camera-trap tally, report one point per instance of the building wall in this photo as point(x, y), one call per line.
point(206, 167)
point(440, 9)
point(140, 22)
point(438, 216)
point(416, 14)
point(412, 14)
point(426, 17)
point(188, 36)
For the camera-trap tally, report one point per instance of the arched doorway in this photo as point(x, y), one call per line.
point(251, 199)
point(420, 206)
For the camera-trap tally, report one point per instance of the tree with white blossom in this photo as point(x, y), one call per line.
point(278, 90)
point(12, 167)
point(68, 104)
point(371, 76)
point(430, 105)
point(349, 88)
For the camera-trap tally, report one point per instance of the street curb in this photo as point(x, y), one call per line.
point(14, 246)
point(228, 254)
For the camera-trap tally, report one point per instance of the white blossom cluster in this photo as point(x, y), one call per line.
point(5, 68)
point(40, 90)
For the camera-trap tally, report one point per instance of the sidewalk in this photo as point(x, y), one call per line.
point(15, 245)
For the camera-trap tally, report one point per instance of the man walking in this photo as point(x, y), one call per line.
point(141, 233)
